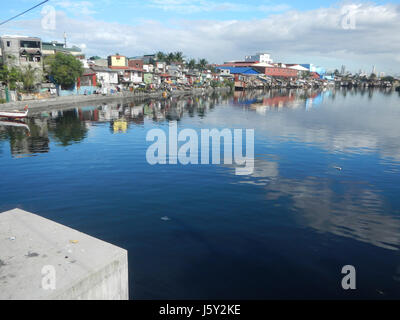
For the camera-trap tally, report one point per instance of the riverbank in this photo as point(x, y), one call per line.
point(78, 100)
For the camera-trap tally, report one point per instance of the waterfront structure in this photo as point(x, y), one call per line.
point(74, 265)
point(132, 76)
point(21, 52)
point(106, 77)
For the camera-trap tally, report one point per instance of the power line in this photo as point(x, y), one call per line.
point(1, 23)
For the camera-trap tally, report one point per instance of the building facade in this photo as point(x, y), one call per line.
point(21, 51)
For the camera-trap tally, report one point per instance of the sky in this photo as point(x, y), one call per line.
point(357, 34)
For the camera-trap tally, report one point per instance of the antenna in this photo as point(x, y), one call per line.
point(65, 39)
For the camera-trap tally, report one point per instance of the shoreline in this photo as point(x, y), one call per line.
point(78, 100)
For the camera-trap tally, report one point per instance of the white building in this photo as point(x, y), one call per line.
point(108, 78)
point(259, 57)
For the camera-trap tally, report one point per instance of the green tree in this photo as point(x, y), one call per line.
point(178, 56)
point(68, 129)
point(160, 56)
point(28, 77)
point(388, 78)
point(170, 58)
point(372, 76)
point(65, 69)
point(202, 64)
point(9, 77)
point(192, 64)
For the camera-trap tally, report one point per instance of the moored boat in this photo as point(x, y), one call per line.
point(15, 114)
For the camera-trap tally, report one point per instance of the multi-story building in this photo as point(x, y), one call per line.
point(21, 51)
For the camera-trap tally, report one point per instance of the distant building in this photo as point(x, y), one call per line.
point(135, 63)
point(53, 47)
point(321, 71)
point(278, 70)
point(238, 70)
point(117, 62)
point(259, 57)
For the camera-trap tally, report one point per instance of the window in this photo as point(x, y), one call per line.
point(30, 44)
point(8, 43)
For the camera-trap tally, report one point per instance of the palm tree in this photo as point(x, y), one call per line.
point(192, 64)
point(170, 58)
point(202, 64)
point(28, 77)
point(160, 56)
point(178, 56)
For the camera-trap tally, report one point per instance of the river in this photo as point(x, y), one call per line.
point(324, 192)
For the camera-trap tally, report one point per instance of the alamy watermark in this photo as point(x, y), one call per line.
point(48, 21)
point(349, 280)
point(188, 153)
point(348, 21)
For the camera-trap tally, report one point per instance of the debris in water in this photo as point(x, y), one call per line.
point(165, 219)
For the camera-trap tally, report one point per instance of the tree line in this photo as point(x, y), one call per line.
point(178, 57)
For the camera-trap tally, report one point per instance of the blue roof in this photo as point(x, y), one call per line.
point(240, 70)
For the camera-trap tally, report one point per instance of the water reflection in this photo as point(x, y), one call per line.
point(359, 212)
point(296, 209)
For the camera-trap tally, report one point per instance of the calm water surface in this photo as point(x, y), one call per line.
point(284, 232)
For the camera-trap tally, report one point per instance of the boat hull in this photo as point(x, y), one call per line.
point(13, 115)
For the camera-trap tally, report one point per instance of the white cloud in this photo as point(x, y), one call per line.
point(305, 36)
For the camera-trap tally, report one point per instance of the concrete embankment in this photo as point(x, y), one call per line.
point(44, 260)
point(72, 101)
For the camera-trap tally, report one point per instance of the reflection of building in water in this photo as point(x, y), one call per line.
point(88, 114)
point(29, 138)
point(120, 125)
point(261, 102)
point(130, 112)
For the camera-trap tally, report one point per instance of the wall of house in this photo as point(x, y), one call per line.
point(278, 72)
point(107, 78)
point(76, 91)
point(117, 61)
point(136, 63)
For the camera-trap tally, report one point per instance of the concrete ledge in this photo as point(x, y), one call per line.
point(69, 101)
point(32, 247)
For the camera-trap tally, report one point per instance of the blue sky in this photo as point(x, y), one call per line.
point(292, 31)
point(164, 10)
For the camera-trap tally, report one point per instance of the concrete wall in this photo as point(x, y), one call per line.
point(44, 260)
point(76, 91)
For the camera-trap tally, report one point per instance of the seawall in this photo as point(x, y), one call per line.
point(44, 260)
point(78, 100)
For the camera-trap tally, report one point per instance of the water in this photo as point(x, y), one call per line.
point(200, 231)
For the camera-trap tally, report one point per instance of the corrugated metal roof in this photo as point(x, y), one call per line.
point(240, 70)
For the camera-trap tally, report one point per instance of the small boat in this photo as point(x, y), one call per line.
point(15, 114)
